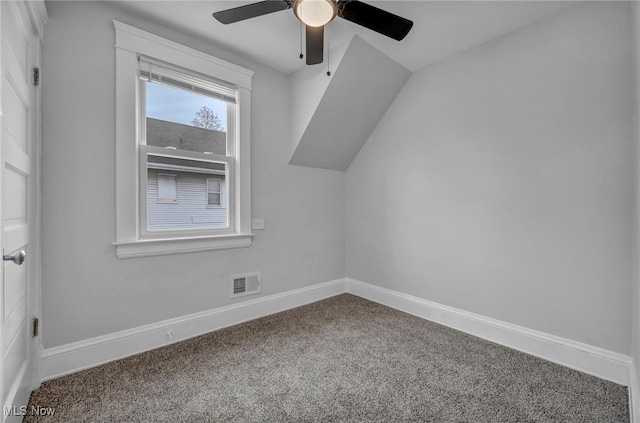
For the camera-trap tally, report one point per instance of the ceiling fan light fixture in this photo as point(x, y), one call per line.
point(315, 13)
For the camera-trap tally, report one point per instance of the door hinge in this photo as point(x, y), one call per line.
point(36, 76)
point(34, 327)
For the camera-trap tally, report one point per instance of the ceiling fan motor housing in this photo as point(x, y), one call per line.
point(315, 13)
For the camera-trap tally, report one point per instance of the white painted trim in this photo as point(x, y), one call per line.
point(595, 361)
point(71, 358)
point(138, 41)
point(167, 246)
point(38, 15)
point(634, 393)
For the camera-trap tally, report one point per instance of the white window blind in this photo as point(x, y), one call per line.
point(162, 72)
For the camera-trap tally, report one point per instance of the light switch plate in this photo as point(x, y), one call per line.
point(257, 224)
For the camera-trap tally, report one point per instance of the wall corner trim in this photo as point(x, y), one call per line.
point(634, 393)
point(592, 360)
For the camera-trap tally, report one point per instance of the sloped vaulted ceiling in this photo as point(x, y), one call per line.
point(351, 103)
point(334, 120)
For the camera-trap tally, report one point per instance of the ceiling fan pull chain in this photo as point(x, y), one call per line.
point(301, 30)
point(327, 37)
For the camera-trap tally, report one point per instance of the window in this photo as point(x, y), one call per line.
point(214, 192)
point(186, 126)
point(167, 190)
point(182, 148)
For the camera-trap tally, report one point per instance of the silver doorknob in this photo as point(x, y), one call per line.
point(17, 257)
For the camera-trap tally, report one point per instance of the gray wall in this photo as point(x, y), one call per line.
point(95, 293)
point(507, 185)
point(507, 188)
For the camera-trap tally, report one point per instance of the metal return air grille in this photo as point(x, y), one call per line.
point(246, 284)
point(239, 285)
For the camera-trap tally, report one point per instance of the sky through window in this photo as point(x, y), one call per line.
point(180, 106)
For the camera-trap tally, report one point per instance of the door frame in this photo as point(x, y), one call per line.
point(36, 14)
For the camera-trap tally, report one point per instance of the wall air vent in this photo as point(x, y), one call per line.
point(246, 284)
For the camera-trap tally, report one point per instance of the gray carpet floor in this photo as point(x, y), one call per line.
point(341, 359)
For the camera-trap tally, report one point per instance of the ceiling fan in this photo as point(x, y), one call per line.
point(315, 14)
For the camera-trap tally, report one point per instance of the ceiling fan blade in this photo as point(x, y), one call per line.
point(251, 11)
point(315, 44)
point(376, 19)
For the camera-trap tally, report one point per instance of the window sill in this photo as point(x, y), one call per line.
point(158, 247)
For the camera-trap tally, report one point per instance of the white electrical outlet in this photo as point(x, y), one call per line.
point(257, 224)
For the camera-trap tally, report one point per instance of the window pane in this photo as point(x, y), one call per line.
point(191, 210)
point(185, 120)
point(214, 185)
point(214, 199)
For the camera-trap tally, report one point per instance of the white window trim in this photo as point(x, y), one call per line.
point(131, 42)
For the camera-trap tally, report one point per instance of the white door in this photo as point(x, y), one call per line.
point(19, 119)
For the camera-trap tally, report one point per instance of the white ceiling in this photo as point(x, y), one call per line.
point(441, 28)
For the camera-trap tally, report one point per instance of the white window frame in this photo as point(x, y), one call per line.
point(131, 241)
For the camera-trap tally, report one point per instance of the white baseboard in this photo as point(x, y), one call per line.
point(634, 393)
point(71, 358)
point(585, 358)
